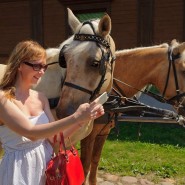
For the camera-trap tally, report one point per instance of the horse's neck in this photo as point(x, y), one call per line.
point(139, 67)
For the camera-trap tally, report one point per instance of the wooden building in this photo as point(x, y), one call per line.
point(134, 22)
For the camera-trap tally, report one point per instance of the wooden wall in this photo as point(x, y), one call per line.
point(168, 21)
point(39, 20)
point(124, 23)
point(147, 22)
point(54, 23)
point(14, 25)
point(134, 22)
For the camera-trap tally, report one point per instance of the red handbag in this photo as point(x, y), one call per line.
point(65, 168)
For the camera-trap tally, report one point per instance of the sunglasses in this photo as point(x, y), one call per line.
point(36, 67)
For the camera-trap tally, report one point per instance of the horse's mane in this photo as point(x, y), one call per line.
point(164, 45)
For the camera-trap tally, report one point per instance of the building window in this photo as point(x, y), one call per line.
point(88, 16)
point(86, 10)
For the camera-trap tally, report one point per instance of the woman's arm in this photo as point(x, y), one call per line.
point(13, 118)
point(68, 131)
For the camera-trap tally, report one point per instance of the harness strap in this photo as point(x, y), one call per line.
point(118, 88)
point(172, 58)
point(93, 38)
point(53, 102)
point(52, 63)
point(156, 96)
point(78, 87)
point(169, 69)
point(91, 25)
point(176, 79)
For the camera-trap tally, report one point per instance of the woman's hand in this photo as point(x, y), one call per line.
point(87, 112)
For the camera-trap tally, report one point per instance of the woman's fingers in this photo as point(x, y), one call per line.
point(89, 111)
point(97, 111)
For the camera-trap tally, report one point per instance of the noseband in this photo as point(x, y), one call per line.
point(100, 42)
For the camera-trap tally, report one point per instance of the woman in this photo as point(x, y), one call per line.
point(23, 117)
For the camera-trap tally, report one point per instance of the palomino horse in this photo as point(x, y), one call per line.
point(90, 64)
point(139, 67)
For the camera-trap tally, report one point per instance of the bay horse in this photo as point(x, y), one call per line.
point(160, 65)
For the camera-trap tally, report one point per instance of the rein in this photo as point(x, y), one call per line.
point(156, 96)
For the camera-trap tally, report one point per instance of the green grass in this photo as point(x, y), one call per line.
point(155, 150)
point(144, 149)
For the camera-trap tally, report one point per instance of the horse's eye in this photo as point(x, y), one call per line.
point(95, 63)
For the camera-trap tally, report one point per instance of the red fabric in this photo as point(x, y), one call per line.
point(65, 169)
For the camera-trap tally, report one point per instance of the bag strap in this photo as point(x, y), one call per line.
point(62, 143)
point(62, 146)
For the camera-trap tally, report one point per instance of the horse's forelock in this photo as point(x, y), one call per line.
point(77, 47)
point(52, 54)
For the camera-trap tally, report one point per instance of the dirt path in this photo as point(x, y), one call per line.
point(109, 179)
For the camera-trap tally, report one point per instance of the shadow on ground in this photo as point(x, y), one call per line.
point(158, 133)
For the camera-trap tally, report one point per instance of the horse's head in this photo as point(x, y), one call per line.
point(175, 92)
point(90, 62)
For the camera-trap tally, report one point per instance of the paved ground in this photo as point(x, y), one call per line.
point(108, 179)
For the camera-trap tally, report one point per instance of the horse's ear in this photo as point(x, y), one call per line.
point(179, 48)
point(52, 54)
point(72, 20)
point(104, 26)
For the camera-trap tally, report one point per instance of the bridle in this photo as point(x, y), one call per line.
point(177, 98)
point(102, 64)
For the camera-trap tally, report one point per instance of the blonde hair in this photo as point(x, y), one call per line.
point(24, 51)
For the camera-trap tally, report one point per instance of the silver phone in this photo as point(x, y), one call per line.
point(102, 98)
